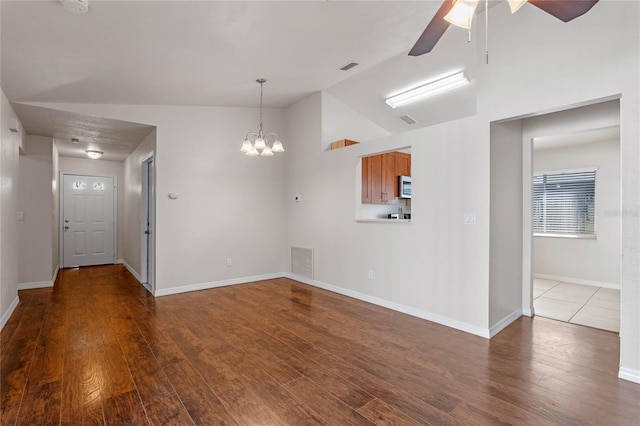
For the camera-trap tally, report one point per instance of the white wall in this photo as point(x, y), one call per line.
point(505, 245)
point(590, 260)
point(341, 122)
point(87, 166)
point(434, 266)
point(132, 220)
point(8, 210)
point(35, 236)
point(55, 193)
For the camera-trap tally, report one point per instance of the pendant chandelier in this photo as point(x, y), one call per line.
point(258, 143)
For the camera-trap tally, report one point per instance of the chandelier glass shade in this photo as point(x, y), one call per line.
point(260, 143)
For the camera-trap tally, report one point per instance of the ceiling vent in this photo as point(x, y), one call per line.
point(348, 66)
point(76, 6)
point(408, 119)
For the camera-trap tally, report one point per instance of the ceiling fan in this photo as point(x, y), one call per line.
point(460, 13)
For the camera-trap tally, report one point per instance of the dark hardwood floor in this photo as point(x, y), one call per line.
point(98, 349)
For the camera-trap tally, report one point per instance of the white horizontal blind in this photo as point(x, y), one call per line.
point(564, 203)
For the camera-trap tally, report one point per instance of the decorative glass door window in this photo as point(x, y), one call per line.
point(79, 185)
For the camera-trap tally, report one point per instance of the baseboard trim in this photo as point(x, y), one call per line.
point(578, 281)
point(629, 374)
point(40, 284)
point(37, 284)
point(55, 275)
point(130, 269)
point(442, 320)
point(215, 284)
point(504, 322)
point(9, 312)
point(528, 312)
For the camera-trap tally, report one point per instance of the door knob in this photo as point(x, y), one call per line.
point(66, 221)
point(66, 227)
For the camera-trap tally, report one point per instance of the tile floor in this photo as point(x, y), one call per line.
point(578, 304)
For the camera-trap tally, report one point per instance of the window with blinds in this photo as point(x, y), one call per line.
point(564, 204)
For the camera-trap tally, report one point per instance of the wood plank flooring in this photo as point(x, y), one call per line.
point(98, 349)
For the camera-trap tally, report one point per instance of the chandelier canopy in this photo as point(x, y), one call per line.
point(258, 143)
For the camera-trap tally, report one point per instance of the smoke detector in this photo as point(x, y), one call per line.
point(76, 6)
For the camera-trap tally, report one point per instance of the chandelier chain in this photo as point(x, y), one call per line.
point(261, 81)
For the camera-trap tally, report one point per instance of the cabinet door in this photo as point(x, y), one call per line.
point(403, 163)
point(389, 178)
point(375, 179)
point(366, 181)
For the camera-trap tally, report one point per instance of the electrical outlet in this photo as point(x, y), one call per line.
point(370, 274)
point(20, 216)
point(229, 261)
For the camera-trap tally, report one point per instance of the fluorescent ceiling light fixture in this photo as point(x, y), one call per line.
point(427, 90)
point(94, 154)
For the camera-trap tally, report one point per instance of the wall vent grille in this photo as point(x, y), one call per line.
point(348, 66)
point(302, 261)
point(407, 119)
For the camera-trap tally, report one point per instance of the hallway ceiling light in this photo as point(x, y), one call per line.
point(429, 89)
point(94, 154)
point(258, 143)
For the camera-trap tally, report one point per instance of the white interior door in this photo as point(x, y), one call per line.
point(88, 220)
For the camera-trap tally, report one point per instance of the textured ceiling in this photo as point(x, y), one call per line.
point(117, 139)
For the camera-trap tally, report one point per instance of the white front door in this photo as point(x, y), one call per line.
point(88, 220)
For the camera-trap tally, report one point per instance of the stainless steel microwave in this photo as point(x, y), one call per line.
point(404, 186)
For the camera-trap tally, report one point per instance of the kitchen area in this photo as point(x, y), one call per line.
point(386, 187)
point(383, 185)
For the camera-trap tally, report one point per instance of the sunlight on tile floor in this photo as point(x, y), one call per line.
point(595, 307)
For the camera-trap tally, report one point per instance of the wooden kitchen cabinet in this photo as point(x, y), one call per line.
point(403, 164)
point(380, 179)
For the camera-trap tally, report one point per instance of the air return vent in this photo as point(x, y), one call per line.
point(407, 119)
point(302, 261)
point(348, 66)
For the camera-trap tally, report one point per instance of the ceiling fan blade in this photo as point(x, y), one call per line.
point(565, 10)
point(433, 32)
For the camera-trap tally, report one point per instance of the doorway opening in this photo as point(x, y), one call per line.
point(147, 236)
point(573, 278)
point(576, 227)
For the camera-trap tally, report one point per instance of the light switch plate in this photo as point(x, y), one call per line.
point(20, 216)
point(469, 218)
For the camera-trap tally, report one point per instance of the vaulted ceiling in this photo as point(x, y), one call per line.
point(197, 52)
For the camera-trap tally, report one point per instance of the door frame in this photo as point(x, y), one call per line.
point(61, 218)
point(148, 210)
